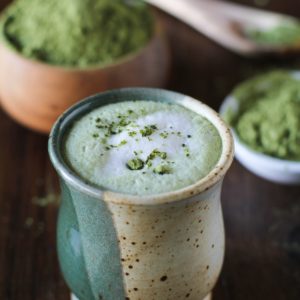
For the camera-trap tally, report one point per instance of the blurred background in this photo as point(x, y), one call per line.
point(262, 219)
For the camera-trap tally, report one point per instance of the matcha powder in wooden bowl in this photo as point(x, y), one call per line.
point(77, 33)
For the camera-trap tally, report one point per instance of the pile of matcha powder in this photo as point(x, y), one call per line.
point(284, 34)
point(77, 33)
point(268, 118)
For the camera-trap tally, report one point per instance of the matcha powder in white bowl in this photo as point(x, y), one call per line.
point(264, 113)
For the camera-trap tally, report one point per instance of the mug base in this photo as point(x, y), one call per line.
point(73, 297)
point(208, 297)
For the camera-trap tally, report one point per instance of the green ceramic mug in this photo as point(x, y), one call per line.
point(114, 246)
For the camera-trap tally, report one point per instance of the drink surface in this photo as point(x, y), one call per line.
point(142, 147)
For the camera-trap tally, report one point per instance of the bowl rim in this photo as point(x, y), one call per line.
point(212, 178)
point(158, 32)
point(271, 160)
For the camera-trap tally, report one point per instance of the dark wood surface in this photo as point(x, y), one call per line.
point(262, 219)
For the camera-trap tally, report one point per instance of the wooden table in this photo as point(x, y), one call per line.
point(262, 219)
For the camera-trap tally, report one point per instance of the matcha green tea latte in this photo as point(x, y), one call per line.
point(77, 33)
point(141, 174)
point(142, 147)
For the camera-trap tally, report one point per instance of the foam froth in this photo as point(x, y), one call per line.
point(142, 147)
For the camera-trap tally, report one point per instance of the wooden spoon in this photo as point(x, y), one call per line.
point(226, 23)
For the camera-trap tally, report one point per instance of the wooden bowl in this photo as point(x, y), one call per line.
point(36, 93)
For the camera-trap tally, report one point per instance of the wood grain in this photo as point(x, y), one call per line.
point(262, 219)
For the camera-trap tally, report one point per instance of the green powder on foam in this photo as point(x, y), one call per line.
point(268, 119)
point(77, 32)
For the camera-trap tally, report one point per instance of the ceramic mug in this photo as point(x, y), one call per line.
point(115, 246)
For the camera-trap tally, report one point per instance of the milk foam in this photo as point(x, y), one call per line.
point(191, 143)
point(118, 157)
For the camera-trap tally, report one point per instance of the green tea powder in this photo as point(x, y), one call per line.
point(77, 33)
point(284, 34)
point(268, 119)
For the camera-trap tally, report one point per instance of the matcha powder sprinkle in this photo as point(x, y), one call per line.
point(77, 33)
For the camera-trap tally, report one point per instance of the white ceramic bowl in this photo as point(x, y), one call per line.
point(265, 166)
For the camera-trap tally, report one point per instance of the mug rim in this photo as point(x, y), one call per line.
point(127, 94)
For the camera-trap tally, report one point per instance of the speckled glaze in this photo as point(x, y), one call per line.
point(114, 246)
